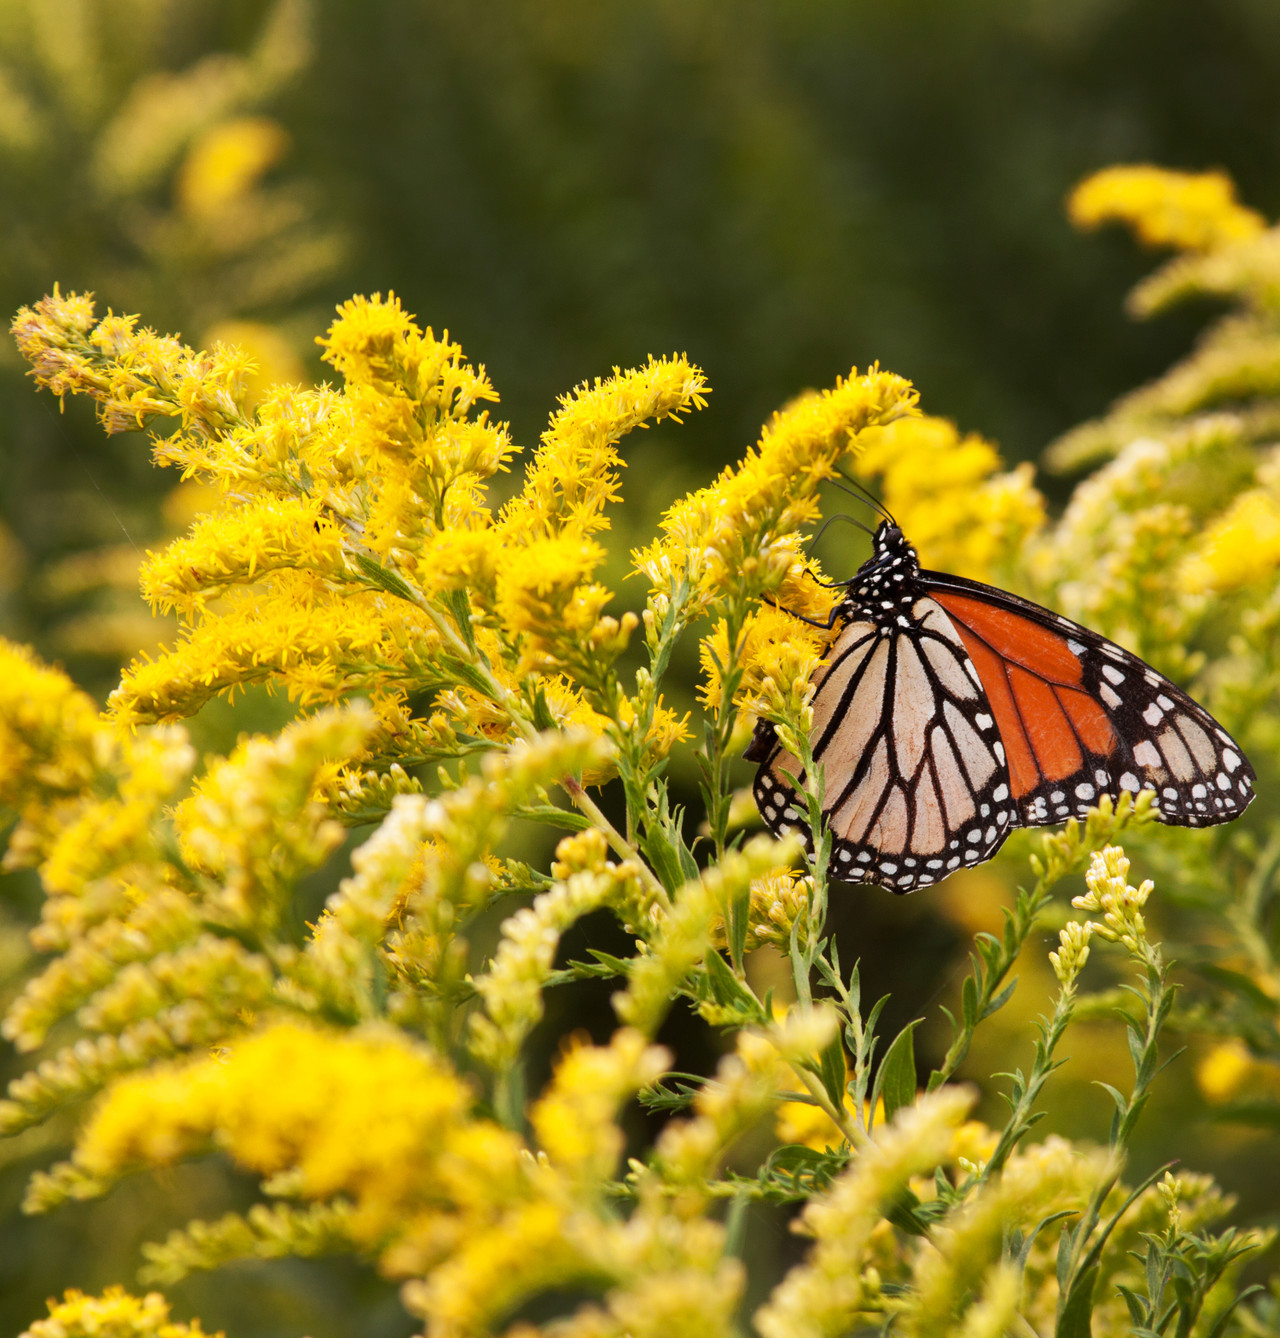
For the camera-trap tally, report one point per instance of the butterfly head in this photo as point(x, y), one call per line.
point(886, 581)
point(891, 546)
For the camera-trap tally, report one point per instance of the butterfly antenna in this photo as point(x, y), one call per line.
point(864, 494)
point(826, 525)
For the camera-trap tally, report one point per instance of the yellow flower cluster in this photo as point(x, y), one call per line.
point(779, 901)
point(346, 1114)
point(255, 822)
point(575, 1118)
point(1241, 546)
point(825, 1295)
point(352, 547)
point(740, 534)
point(1111, 895)
point(49, 733)
point(683, 933)
point(114, 1314)
point(1192, 211)
point(512, 986)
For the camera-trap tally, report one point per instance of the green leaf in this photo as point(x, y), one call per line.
point(908, 1214)
point(620, 966)
point(896, 1079)
point(1075, 1318)
point(1220, 1327)
point(832, 1071)
point(663, 856)
point(969, 1002)
point(999, 1001)
point(384, 577)
point(738, 923)
point(727, 990)
point(542, 716)
point(553, 816)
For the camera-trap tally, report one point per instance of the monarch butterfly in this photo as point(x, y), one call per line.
point(949, 712)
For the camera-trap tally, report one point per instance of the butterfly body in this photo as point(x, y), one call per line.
point(948, 712)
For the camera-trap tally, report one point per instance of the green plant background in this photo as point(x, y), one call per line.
point(779, 189)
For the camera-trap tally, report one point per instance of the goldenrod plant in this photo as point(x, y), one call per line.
point(459, 667)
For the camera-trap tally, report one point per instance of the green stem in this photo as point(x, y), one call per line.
point(509, 703)
point(1026, 1093)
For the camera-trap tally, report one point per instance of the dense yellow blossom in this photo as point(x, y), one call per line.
point(684, 932)
point(346, 1113)
point(1192, 211)
point(779, 901)
point(236, 547)
point(826, 1293)
point(575, 1118)
point(252, 824)
point(777, 651)
point(319, 645)
point(49, 731)
point(1241, 547)
point(512, 987)
point(739, 531)
point(574, 472)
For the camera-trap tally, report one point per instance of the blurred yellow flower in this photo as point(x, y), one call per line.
point(960, 512)
point(227, 161)
point(1192, 211)
point(1240, 548)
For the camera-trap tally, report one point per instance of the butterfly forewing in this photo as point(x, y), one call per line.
point(1082, 717)
point(914, 781)
point(949, 712)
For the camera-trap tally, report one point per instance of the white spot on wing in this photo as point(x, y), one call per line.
point(1145, 754)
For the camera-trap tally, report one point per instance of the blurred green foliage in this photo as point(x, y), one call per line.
point(781, 189)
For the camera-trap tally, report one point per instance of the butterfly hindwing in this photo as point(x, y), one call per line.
point(914, 779)
point(1081, 717)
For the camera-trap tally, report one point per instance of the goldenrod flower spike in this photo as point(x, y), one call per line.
point(512, 987)
point(1242, 546)
point(51, 740)
point(737, 535)
point(573, 474)
point(252, 823)
point(823, 1297)
point(575, 1118)
point(949, 493)
point(684, 932)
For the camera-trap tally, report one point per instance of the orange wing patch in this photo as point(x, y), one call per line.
point(1033, 681)
point(1052, 739)
point(1092, 725)
point(1015, 639)
point(1023, 774)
